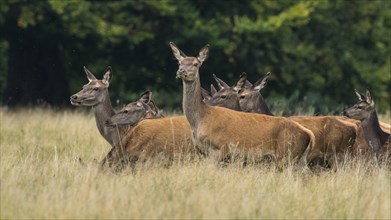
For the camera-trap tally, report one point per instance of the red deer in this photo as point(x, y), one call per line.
point(95, 94)
point(168, 138)
point(250, 98)
point(364, 111)
point(134, 112)
point(334, 136)
point(222, 132)
point(226, 96)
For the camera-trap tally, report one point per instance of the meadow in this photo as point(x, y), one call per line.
point(41, 178)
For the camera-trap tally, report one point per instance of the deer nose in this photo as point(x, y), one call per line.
point(344, 113)
point(181, 71)
point(74, 97)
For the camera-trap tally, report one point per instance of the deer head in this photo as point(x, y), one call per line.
point(189, 66)
point(363, 108)
point(250, 98)
point(226, 96)
point(95, 91)
point(135, 111)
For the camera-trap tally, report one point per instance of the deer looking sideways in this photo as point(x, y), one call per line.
point(222, 132)
point(334, 136)
point(364, 111)
point(96, 95)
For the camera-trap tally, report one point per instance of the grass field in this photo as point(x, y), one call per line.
point(41, 179)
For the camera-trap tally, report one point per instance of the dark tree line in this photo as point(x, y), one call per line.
point(317, 51)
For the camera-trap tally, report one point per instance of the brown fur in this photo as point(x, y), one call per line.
point(225, 132)
point(168, 137)
point(334, 138)
point(253, 135)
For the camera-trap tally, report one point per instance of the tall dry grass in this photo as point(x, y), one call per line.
point(41, 179)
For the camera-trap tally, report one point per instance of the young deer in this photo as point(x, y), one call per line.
point(222, 132)
point(134, 112)
point(364, 111)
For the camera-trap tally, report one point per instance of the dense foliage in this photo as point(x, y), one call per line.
point(317, 51)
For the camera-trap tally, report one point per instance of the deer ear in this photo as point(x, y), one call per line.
point(205, 94)
point(107, 76)
point(369, 98)
point(220, 82)
point(241, 82)
point(213, 89)
point(179, 55)
point(360, 96)
point(90, 76)
point(203, 54)
point(155, 109)
point(261, 82)
point(146, 97)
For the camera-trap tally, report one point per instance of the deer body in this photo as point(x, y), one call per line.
point(221, 132)
point(217, 136)
point(333, 136)
point(168, 137)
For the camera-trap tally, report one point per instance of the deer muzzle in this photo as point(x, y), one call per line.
point(181, 73)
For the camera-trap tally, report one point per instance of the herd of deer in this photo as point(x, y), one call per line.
point(231, 122)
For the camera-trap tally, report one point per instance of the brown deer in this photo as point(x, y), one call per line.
point(334, 136)
point(95, 94)
point(223, 132)
point(134, 112)
point(174, 132)
point(166, 138)
point(250, 98)
point(226, 96)
point(364, 111)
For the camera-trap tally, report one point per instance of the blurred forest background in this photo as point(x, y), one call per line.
point(316, 51)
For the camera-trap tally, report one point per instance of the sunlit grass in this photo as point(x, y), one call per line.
point(42, 178)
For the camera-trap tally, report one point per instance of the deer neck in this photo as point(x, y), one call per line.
point(193, 107)
point(262, 107)
point(374, 135)
point(102, 112)
point(236, 106)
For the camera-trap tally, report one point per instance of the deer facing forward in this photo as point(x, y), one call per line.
point(222, 132)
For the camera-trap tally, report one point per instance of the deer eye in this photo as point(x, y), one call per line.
point(242, 97)
point(96, 88)
point(196, 64)
point(223, 96)
point(126, 111)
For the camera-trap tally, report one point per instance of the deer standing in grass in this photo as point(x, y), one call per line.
point(95, 94)
point(333, 136)
point(164, 138)
point(364, 111)
point(221, 132)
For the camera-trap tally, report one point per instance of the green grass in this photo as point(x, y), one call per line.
point(41, 178)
